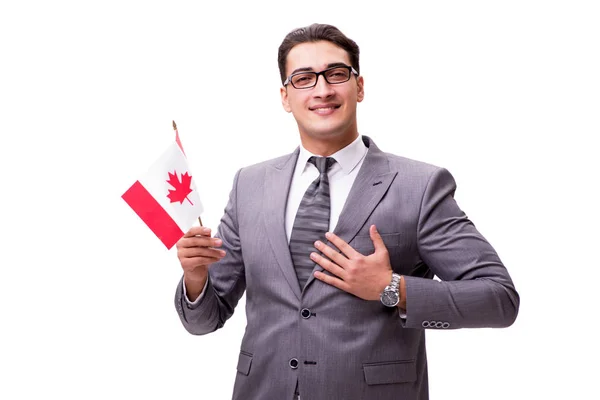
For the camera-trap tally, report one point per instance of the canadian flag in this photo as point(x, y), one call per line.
point(166, 198)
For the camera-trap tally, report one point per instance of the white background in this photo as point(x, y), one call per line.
point(503, 94)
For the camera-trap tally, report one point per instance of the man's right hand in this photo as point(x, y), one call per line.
point(196, 251)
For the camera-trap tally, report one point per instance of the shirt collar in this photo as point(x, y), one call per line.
point(348, 157)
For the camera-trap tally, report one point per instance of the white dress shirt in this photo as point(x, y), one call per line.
point(341, 178)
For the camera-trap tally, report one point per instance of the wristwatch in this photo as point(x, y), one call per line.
point(390, 297)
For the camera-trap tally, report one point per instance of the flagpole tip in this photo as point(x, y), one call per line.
point(174, 125)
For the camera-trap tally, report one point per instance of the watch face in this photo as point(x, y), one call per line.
point(389, 298)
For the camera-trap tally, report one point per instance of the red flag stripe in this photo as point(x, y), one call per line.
point(179, 141)
point(153, 215)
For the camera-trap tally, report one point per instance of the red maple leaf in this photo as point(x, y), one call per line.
point(182, 188)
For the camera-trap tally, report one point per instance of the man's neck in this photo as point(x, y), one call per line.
point(325, 147)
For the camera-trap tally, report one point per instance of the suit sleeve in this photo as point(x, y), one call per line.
point(226, 279)
point(475, 290)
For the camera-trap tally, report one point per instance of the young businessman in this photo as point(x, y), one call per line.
point(335, 246)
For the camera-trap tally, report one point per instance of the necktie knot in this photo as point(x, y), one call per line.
point(322, 163)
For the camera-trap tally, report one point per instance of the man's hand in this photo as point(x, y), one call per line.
point(196, 251)
point(362, 276)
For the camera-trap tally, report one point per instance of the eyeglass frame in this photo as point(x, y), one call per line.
point(350, 69)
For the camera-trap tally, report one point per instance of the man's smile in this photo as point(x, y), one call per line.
point(325, 109)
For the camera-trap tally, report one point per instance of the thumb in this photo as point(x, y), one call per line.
point(376, 238)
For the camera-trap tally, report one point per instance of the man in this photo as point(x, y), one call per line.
point(336, 253)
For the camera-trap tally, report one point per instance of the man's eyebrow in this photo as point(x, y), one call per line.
point(310, 69)
point(303, 69)
point(337, 64)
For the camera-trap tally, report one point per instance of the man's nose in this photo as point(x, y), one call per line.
point(322, 88)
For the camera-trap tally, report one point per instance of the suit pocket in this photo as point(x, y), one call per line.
point(382, 373)
point(364, 245)
point(244, 363)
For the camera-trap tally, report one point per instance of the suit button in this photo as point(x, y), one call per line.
point(425, 324)
point(439, 324)
point(305, 313)
point(294, 363)
point(445, 325)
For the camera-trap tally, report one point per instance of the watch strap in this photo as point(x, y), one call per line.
point(395, 284)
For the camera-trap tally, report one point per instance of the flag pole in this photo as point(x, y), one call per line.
point(177, 136)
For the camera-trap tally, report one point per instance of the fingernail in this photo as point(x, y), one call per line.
point(318, 243)
point(218, 242)
point(328, 235)
point(313, 256)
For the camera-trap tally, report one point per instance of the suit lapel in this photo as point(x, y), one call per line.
point(278, 179)
point(372, 182)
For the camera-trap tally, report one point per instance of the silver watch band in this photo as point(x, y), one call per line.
point(395, 281)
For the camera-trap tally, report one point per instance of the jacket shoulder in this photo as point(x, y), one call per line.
point(258, 170)
point(410, 166)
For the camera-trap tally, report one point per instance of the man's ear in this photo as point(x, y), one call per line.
point(284, 99)
point(360, 95)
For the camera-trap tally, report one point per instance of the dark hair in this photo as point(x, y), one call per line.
point(315, 33)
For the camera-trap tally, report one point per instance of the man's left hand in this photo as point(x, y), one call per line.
point(362, 276)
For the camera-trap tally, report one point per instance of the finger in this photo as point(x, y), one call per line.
point(377, 239)
point(342, 245)
point(191, 263)
point(201, 252)
point(332, 254)
point(197, 231)
point(332, 280)
point(328, 265)
point(200, 241)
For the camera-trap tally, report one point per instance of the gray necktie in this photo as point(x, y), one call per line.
point(312, 220)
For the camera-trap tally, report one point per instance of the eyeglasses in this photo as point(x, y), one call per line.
point(333, 76)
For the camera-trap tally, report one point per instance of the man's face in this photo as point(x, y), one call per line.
point(326, 111)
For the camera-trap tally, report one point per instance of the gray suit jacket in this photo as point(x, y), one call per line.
point(348, 348)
